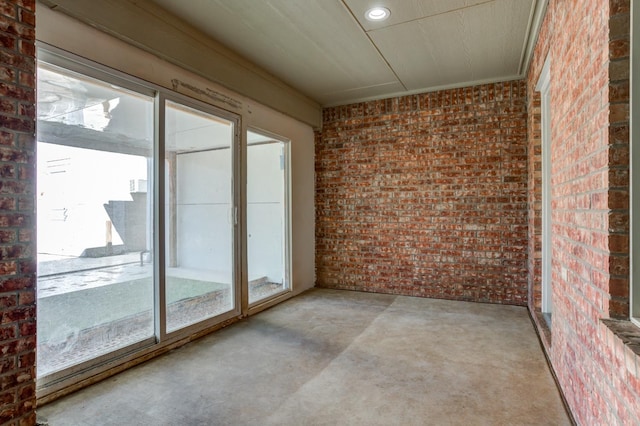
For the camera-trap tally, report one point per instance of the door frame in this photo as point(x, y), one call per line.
point(543, 86)
point(259, 305)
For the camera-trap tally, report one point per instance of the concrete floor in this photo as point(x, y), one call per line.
point(337, 357)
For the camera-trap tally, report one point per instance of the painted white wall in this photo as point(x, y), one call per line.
point(61, 31)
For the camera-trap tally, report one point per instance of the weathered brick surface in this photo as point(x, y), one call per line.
point(426, 195)
point(588, 42)
point(17, 216)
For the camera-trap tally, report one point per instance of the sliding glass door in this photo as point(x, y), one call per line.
point(267, 215)
point(139, 230)
point(200, 215)
point(95, 163)
point(137, 218)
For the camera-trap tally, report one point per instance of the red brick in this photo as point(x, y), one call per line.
point(11, 91)
point(27, 392)
point(7, 363)
point(7, 106)
point(620, 6)
point(6, 138)
point(8, 171)
point(13, 155)
point(29, 418)
point(27, 297)
point(28, 266)
point(8, 268)
point(20, 62)
point(8, 381)
point(7, 398)
point(15, 283)
point(27, 360)
point(7, 41)
point(27, 48)
point(8, 9)
point(7, 414)
point(7, 236)
point(13, 27)
point(7, 333)
point(27, 17)
point(409, 178)
point(619, 49)
point(25, 235)
point(17, 314)
point(13, 187)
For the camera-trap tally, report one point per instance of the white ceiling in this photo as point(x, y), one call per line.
point(327, 49)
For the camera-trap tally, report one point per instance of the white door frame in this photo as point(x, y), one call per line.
point(545, 133)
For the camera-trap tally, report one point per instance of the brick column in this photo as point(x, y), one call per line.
point(17, 213)
point(619, 154)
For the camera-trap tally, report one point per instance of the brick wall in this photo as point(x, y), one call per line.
point(588, 42)
point(17, 216)
point(426, 195)
point(534, 199)
point(619, 156)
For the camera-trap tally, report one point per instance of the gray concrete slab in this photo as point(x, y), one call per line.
point(337, 357)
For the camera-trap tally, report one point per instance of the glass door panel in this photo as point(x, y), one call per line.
point(267, 227)
point(199, 216)
point(94, 174)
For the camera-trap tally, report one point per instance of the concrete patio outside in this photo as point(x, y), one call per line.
point(91, 306)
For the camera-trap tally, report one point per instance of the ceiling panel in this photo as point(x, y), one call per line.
point(314, 46)
point(406, 10)
point(478, 43)
point(330, 52)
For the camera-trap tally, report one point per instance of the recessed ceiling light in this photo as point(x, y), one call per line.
point(377, 14)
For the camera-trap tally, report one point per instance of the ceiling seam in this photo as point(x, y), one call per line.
point(366, 33)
